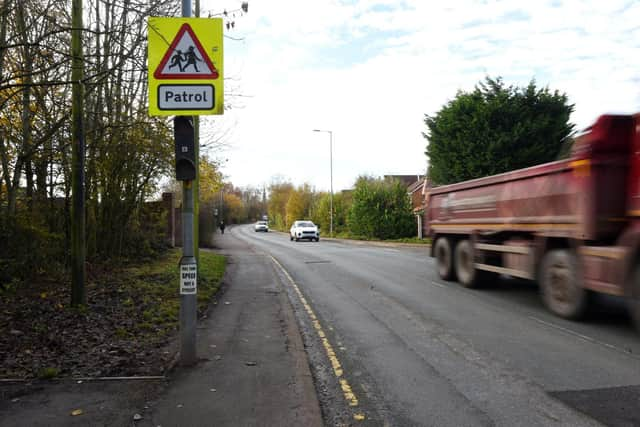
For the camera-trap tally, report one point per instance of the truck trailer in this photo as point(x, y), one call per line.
point(572, 225)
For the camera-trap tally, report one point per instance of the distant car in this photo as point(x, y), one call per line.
point(261, 226)
point(304, 230)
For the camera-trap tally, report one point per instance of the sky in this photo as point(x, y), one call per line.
point(369, 71)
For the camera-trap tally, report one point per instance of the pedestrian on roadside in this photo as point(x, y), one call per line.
point(222, 227)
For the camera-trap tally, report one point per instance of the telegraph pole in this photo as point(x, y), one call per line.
point(78, 251)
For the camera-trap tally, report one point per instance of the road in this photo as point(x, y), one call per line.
point(392, 344)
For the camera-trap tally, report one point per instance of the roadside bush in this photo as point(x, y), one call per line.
point(341, 207)
point(146, 236)
point(381, 209)
point(33, 246)
point(28, 250)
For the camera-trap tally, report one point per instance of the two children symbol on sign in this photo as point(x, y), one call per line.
point(186, 58)
point(189, 57)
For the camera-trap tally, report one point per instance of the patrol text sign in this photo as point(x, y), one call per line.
point(185, 97)
point(185, 66)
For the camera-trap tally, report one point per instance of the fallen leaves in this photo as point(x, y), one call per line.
point(123, 331)
point(104, 340)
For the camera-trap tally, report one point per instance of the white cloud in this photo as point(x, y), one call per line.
point(370, 70)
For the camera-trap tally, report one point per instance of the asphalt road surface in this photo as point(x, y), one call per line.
point(390, 343)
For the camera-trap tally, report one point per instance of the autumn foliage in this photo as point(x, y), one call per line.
point(375, 209)
point(127, 152)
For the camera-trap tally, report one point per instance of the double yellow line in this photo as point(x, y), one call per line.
point(347, 391)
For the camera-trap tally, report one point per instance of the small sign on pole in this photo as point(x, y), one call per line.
point(188, 279)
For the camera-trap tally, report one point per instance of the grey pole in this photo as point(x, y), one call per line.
point(78, 222)
point(331, 178)
point(188, 301)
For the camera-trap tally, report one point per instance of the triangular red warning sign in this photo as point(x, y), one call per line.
point(186, 59)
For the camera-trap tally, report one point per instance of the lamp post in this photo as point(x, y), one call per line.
point(331, 175)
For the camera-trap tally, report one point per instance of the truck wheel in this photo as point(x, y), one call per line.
point(468, 275)
point(444, 258)
point(560, 284)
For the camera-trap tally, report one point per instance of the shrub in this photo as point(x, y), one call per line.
point(381, 209)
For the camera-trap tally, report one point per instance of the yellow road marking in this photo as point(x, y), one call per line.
point(347, 391)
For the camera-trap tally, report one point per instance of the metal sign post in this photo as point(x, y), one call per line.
point(188, 266)
point(186, 172)
point(185, 61)
point(188, 282)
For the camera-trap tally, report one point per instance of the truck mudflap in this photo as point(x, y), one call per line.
point(633, 302)
point(604, 269)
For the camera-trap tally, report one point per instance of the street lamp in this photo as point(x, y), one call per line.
point(331, 174)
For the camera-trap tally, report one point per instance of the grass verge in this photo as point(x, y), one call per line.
point(131, 314)
point(411, 240)
point(156, 288)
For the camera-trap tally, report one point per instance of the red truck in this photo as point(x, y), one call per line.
point(572, 225)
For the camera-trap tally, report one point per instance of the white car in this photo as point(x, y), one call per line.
point(261, 226)
point(304, 230)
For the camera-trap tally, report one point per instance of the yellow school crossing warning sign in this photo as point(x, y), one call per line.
point(185, 66)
